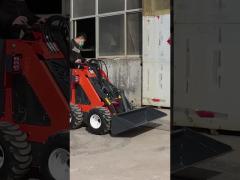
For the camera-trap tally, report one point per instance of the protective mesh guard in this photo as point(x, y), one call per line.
point(61, 74)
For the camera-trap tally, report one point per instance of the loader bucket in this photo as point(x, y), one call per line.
point(189, 147)
point(132, 119)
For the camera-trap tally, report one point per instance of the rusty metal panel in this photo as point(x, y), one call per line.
point(156, 7)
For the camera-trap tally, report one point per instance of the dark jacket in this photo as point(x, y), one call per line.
point(75, 53)
point(10, 10)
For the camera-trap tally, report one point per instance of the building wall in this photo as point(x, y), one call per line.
point(66, 7)
point(126, 74)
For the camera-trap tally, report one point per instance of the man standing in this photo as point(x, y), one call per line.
point(76, 46)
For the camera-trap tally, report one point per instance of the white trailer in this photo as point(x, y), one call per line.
point(156, 60)
point(206, 64)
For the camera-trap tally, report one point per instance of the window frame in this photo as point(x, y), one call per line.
point(97, 16)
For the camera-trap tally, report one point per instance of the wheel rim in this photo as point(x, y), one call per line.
point(70, 118)
point(95, 121)
point(58, 164)
point(2, 156)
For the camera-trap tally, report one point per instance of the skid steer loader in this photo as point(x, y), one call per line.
point(105, 107)
point(34, 109)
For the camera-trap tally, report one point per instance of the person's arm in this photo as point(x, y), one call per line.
point(72, 57)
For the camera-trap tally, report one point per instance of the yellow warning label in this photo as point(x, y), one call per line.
point(107, 100)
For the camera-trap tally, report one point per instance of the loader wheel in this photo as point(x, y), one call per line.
point(15, 152)
point(99, 121)
point(56, 161)
point(76, 117)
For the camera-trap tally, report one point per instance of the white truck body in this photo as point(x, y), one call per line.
point(206, 64)
point(156, 60)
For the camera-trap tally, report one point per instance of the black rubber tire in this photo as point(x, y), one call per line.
point(76, 116)
point(60, 141)
point(17, 152)
point(105, 117)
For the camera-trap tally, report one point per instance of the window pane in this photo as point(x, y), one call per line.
point(134, 33)
point(134, 4)
point(111, 35)
point(87, 26)
point(111, 5)
point(83, 8)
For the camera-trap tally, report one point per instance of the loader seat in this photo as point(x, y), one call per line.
point(1, 77)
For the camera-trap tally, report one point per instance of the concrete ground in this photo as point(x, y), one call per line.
point(142, 154)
